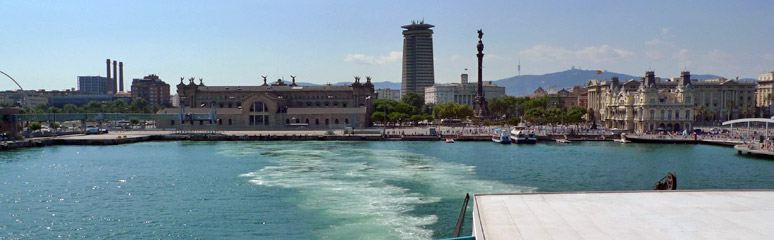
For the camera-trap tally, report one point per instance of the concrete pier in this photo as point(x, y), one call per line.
point(706, 214)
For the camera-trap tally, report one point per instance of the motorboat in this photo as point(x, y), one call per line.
point(500, 136)
point(531, 139)
point(519, 136)
point(563, 140)
point(449, 140)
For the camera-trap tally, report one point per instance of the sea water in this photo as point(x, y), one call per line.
point(322, 190)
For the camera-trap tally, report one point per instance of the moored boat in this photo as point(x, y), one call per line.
point(449, 140)
point(500, 136)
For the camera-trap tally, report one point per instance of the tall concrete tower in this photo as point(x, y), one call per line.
point(418, 67)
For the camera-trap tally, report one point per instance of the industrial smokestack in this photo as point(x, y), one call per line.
point(108, 68)
point(115, 77)
point(121, 76)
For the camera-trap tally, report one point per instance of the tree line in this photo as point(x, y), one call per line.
point(138, 105)
point(510, 110)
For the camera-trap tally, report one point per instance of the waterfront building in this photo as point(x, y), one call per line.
point(81, 100)
point(32, 98)
point(95, 85)
point(418, 69)
point(273, 106)
point(763, 94)
point(175, 100)
point(461, 93)
point(651, 104)
point(386, 93)
point(152, 89)
point(577, 96)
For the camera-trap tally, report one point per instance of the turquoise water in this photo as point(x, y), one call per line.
point(321, 190)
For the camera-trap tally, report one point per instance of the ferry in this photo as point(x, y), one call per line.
point(500, 136)
point(519, 135)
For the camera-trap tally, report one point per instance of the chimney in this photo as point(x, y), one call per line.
point(108, 68)
point(121, 76)
point(115, 77)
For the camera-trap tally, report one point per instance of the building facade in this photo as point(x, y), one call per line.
point(151, 89)
point(652, 105)
point(273, 106)
point(461, 93)
point(418, 69)
point(95, 85)
point(386, 93)
point(763, 94)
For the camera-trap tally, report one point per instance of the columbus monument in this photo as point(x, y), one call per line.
point(480, 106)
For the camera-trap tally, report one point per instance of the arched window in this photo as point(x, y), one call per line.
point(327, 121)
point(336, 121)
point(229, 121)
point(316, 121)
point(298, 120)
point(346, 121)
point(287, 121)
point(307, 121)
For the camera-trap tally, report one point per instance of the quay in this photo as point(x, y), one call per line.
point(700, 214)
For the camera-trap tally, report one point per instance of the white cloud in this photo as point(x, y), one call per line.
point(455, 57)
point(373, 60)
point(682, 54)
point(596, 54)
point(654, 42)
point(654, 54)
point(546, 52)
point(492, 57)
point(603, 53)
point(717, 55)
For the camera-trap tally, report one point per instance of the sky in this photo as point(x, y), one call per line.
point(47, 44)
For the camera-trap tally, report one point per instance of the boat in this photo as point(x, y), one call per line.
point(531, 139)
point(519, 135)
point(500, 136)
point(563, 141)
point(622, 139)
point(449, 140)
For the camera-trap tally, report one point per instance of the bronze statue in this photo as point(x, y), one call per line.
point(264, 79)
point(480, 34)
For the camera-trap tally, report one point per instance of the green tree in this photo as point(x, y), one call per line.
point(514, 121)
point(139, 105)
point(414, 100)
point(379, 117)
point(404, 108)
point(35, 126)
point(70, 108)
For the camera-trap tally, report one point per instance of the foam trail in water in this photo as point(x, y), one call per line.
point(351, 188)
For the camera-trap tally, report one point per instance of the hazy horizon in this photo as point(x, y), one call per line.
point(46, 46)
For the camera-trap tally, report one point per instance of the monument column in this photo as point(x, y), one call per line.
point(480, 106)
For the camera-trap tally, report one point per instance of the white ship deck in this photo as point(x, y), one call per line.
point(732, 214)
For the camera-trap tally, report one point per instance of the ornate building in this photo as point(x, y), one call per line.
point(273, 106)
point(673, 105)
point(763, 95)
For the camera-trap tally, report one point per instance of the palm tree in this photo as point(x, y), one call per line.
point(700, 113)
point(730, 107)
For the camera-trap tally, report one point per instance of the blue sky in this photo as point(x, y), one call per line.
point(47, 44)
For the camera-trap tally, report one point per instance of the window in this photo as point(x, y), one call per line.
point(662, 114)
point(336, 121)
point(346, 121)
point(172, 122)
point(652, 101)
point(229, 121)
point(669, 116)
point(652, 115)
point(316, 121)
point(287, 121)
point(687, 114)
point(677, 115)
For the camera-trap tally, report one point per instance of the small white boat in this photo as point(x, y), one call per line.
point(501, 136)
point(449, 140)
point(563, 141)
